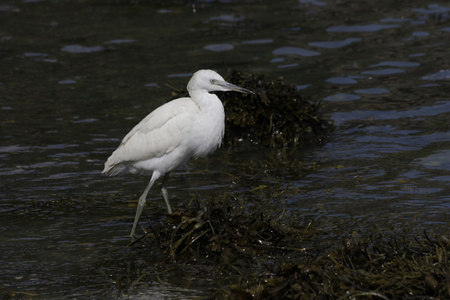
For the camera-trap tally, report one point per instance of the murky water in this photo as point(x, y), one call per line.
point(77, 75)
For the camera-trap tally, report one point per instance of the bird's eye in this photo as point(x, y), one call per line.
point(213, 81)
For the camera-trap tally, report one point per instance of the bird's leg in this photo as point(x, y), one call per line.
point(164, 192)
point(141, 203)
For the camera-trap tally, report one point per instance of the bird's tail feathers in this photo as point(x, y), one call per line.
point(113, 169)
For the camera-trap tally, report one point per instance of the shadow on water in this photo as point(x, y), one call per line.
point(78, 75)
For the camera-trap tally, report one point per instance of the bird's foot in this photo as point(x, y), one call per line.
point(133, 238)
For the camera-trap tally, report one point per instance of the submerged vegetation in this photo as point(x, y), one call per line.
point(261, 251)
point(277, 115)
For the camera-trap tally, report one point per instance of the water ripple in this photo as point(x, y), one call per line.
point(394, 20)
point(227, 18)
point(439, 107)
point(313, 2)
point(120, 41)
point(373, 91)
point(295, 51)
point(334, 44)
point(258, 42)
point(420, 34)
point(361, 28)
point(438, 160)
point(67, 81)
point(432, 9)
point(441, 75)
point(388, 71)
point(219, 47)
point(82, 49)
point(342, 97)
point(341, 80)
point(398, 64)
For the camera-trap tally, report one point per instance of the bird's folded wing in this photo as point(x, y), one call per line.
point(162, 131)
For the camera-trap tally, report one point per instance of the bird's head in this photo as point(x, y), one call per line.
point(210, 81)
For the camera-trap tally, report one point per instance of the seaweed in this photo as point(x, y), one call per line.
point(276, 116)
point(371, 268)
point(226, 229)
point(262, 251)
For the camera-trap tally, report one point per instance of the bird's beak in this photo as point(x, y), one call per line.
point(233, 87)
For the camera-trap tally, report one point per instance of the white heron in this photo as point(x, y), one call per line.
point(172, 134)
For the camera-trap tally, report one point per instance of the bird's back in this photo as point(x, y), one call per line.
point(158, 142)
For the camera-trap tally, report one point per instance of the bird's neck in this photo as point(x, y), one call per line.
point(204, 100)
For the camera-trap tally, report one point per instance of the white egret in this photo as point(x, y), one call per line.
point(172, 134)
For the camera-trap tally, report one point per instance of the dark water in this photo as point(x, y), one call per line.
point(77, 75)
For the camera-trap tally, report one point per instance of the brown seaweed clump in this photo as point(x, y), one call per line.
point(370, 268)
point(226, 231)
point(259, 251)
point(277, 115)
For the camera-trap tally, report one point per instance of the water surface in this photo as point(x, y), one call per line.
point(77, 76)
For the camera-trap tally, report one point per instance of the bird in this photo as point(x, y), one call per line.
point(172, 134)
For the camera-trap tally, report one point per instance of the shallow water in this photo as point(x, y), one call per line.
point(76, 77)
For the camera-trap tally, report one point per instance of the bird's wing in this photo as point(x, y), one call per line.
point(159, 133)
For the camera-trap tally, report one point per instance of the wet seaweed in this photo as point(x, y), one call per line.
point(372, 268)
point(227, 231)
point(260, 251)
point(277, 115)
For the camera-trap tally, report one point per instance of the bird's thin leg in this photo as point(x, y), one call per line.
point(164, 192)
point(142, 201)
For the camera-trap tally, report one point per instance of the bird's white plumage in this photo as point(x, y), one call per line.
point(173, 133)
point(158, 142)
